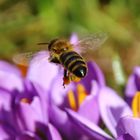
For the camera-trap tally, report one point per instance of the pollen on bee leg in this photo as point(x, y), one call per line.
point(66, 81)
point(136, 105)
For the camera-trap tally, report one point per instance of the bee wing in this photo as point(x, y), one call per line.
point(90, 43)
point(23, 58)
point(26, 58)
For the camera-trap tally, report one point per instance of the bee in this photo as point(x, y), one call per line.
point(63, 52)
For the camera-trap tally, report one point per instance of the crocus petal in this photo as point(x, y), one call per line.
point(137, 77)
point(125, 137)
point(31, 90)
point(5, 95)
point(87, 126)
point(53, 133)
point(61, 121)
point(89, 108)
point(130, 87)
point(27, 136)
point(129, 125)
point(74, 38)
point(112, 108)
point(133, 84)
point(59, 118)
point(29, 114)
point(43, 96)
point(7, 67)
point(6, 132)
point(42, 71)
point(10, 77)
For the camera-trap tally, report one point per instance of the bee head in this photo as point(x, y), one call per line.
point(58, 46)
point(52, 43)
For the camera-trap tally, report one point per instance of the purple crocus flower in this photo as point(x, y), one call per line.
point(79, 96)
point(23, 108)
point(59, 95)
point(133, 84)
point(116, 115)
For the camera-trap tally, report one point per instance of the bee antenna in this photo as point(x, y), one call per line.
point(43, 43)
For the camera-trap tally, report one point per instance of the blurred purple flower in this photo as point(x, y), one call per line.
point(81, 96)
point(114, 113)
point(10, 77)
point(129, 125)
point(23, 108)
point(133, 85)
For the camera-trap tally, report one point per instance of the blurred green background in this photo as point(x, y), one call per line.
point(24, 23)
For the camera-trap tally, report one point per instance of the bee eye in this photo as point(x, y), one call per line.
point(54, 50)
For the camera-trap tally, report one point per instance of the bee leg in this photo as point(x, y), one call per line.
point(53, 60)
point(66, 78)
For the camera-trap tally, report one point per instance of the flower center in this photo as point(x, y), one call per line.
point(136, 105)
point(25, 100)
point(75, 99)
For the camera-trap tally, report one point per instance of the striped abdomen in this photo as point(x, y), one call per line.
point(74, 63)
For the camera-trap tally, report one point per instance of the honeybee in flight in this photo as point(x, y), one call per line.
point(62, 52)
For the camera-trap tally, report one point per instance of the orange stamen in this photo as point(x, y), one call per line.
point(136, 105)
point(72, 101)
point(81, 93)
